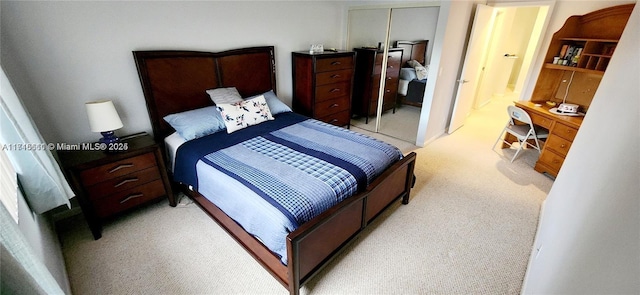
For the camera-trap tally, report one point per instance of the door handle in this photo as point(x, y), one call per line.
point(462, 81)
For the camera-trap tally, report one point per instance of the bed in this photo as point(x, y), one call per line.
point(413, 72)
point(175, 82)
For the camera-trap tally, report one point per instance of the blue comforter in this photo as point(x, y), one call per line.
point(299, 165)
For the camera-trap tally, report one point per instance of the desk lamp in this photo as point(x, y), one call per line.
point(104, 118)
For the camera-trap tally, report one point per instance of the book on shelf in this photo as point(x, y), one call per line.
point(576, 56)
point(563, 51)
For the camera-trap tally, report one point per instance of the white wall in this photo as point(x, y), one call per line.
point(40, 233)
point(62, 54)
point(450, 42)
point(588, 240)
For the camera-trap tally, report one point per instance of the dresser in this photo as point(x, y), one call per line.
point(367, 81)
point(322, 85)
point(562, 131)
point(110, 182)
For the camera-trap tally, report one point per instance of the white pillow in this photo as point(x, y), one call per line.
point(245, 113)
point(224, 95)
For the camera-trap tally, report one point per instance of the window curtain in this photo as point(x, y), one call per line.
point(39, 174)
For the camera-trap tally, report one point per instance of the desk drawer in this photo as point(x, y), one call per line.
point(540, 120)
point(558, 144)
point(552, 160)
point(564, 131)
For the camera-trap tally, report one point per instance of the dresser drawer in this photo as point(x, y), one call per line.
point(330, 91)
point(332, 64)
point(552, 160)
point(558, 144)
point(564, 131)
point(393, 59)
point(334, 77)
point(332, 106)
point(123, 200)
point(119, 168)
point(121, 183)
point(339, 119)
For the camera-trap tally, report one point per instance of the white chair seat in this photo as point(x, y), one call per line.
point(522, 132)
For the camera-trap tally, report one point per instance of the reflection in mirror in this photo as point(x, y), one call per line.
point(408, 63)
point(367, 36)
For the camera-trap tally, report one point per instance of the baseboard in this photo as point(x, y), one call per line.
point(534, 248)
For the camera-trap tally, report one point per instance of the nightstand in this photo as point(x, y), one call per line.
point(111, 182)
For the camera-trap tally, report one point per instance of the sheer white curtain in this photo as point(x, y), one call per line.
point(38, 172)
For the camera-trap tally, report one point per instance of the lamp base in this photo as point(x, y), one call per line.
point(108, 137)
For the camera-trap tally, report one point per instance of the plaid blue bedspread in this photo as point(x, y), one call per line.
point(301, 167)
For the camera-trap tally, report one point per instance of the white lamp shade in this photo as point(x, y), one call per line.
point(103, 116)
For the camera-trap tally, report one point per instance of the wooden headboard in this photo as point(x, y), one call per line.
point(176, 81)
point(413, 50)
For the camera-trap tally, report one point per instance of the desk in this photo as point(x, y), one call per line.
point(562, 130)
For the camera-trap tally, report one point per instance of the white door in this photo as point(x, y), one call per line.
point(471, 69)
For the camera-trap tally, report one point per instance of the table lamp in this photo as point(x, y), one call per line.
point(104, 118)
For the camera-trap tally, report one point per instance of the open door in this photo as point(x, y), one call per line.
point(471, 69)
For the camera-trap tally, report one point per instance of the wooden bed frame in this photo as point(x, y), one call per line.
point(175, 81)
point(413, 50)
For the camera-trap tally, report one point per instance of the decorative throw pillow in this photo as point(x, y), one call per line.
point(245, 113)
point(224, 95)
point(276, 106)
point(196, 123)
point(421, 71)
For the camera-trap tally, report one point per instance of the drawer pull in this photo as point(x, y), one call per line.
point(126, 181)
point(335, 90)
point(336, 76)
point(131, 197)
point(563, 145)
point(333, 121)
point(122, 166)
point(334, 105)
point(335, 63)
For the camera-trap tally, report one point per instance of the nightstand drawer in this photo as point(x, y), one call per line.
point(332, 64)
point(119, 168)
point(332, 106)
point(333, 77)
point(125, 182)
point(127, 199)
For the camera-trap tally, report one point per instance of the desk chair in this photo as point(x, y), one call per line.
point(523, 132)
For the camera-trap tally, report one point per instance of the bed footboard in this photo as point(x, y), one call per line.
point(316, 242)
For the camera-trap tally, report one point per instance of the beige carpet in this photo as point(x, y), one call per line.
point(468, 230)
point(403, 124)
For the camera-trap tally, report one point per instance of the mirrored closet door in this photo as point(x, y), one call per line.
point(395, 39)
